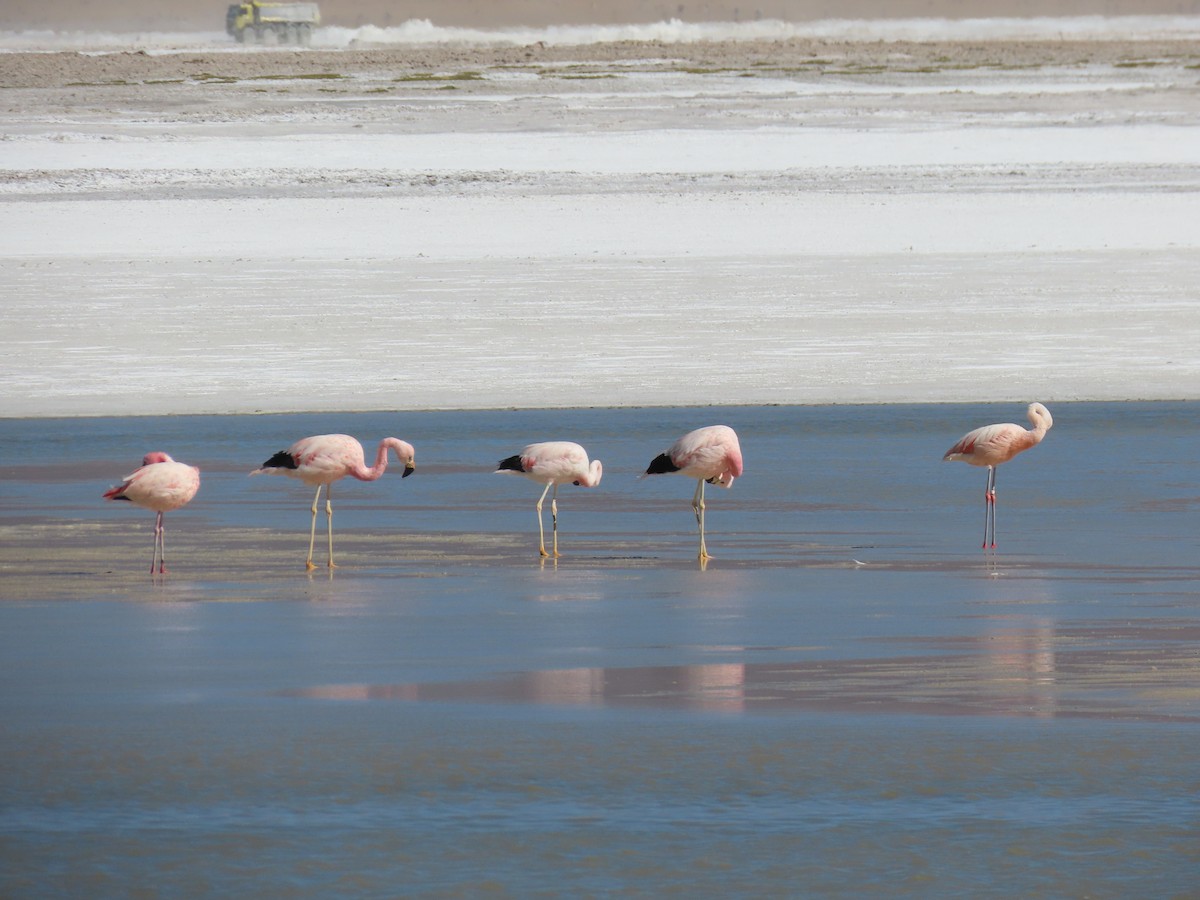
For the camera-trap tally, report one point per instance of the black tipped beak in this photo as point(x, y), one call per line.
point(408, 470)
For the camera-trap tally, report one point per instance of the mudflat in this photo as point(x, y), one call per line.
point(77, 70)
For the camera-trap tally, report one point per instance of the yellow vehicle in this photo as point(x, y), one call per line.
point(272, 23)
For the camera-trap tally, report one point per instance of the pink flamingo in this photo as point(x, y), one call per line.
point(553, 463)
point(992, 445)
point(710, 455)
point(163, 485)
point(326, 458)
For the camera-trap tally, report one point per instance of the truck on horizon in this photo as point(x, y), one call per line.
point(254, 22)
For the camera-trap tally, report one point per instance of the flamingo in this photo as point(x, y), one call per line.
point(553, 463)
point(710, 454)
point(325, 458)
point(992, 445)
point(163, 485)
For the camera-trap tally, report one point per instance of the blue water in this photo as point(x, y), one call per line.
point(851, 699)
point(848, 475)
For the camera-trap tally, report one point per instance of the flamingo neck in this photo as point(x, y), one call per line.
point(593, 475)
point(1040, 427)
point(1040, 418)
point(381, 462)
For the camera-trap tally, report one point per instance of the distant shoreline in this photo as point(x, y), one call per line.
point(1002, 403)
point(176, 15)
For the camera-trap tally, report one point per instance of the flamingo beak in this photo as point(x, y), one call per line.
point(409, 469)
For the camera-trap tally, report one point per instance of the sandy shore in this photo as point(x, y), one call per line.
point(599, 225)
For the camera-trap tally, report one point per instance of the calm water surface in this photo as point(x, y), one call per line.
point(851, 698)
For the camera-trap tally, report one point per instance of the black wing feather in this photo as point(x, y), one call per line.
point(281, 460)
point(512, 464)
point(661, 464)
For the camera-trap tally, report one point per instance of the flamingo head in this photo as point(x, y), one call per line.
point(595, 471)
point(725, 480)
point(1040, 417)
point(406, 454)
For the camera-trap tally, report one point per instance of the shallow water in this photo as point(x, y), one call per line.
point(851, 697)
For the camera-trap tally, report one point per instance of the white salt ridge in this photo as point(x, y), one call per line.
point(664, 151)
point(422, 31)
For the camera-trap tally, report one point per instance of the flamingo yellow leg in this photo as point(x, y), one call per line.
point(554, 518)
point(541, 527)
point(698, 507)
point(312, 534)
point(329, 517)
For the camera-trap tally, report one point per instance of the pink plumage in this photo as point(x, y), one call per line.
point(993, 445)
point(161, 485)
point(553, 463)
point(711, 455)
point(322, 459)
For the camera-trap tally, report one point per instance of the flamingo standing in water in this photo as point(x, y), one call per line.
point(325, 458)
point(992, 445)
point(553, 463)
point(710, 454)
point(163, 485)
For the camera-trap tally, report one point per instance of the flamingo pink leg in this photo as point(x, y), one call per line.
point(989, 507)
point(160, 549)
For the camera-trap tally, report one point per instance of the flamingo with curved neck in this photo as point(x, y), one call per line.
point(325, 458)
